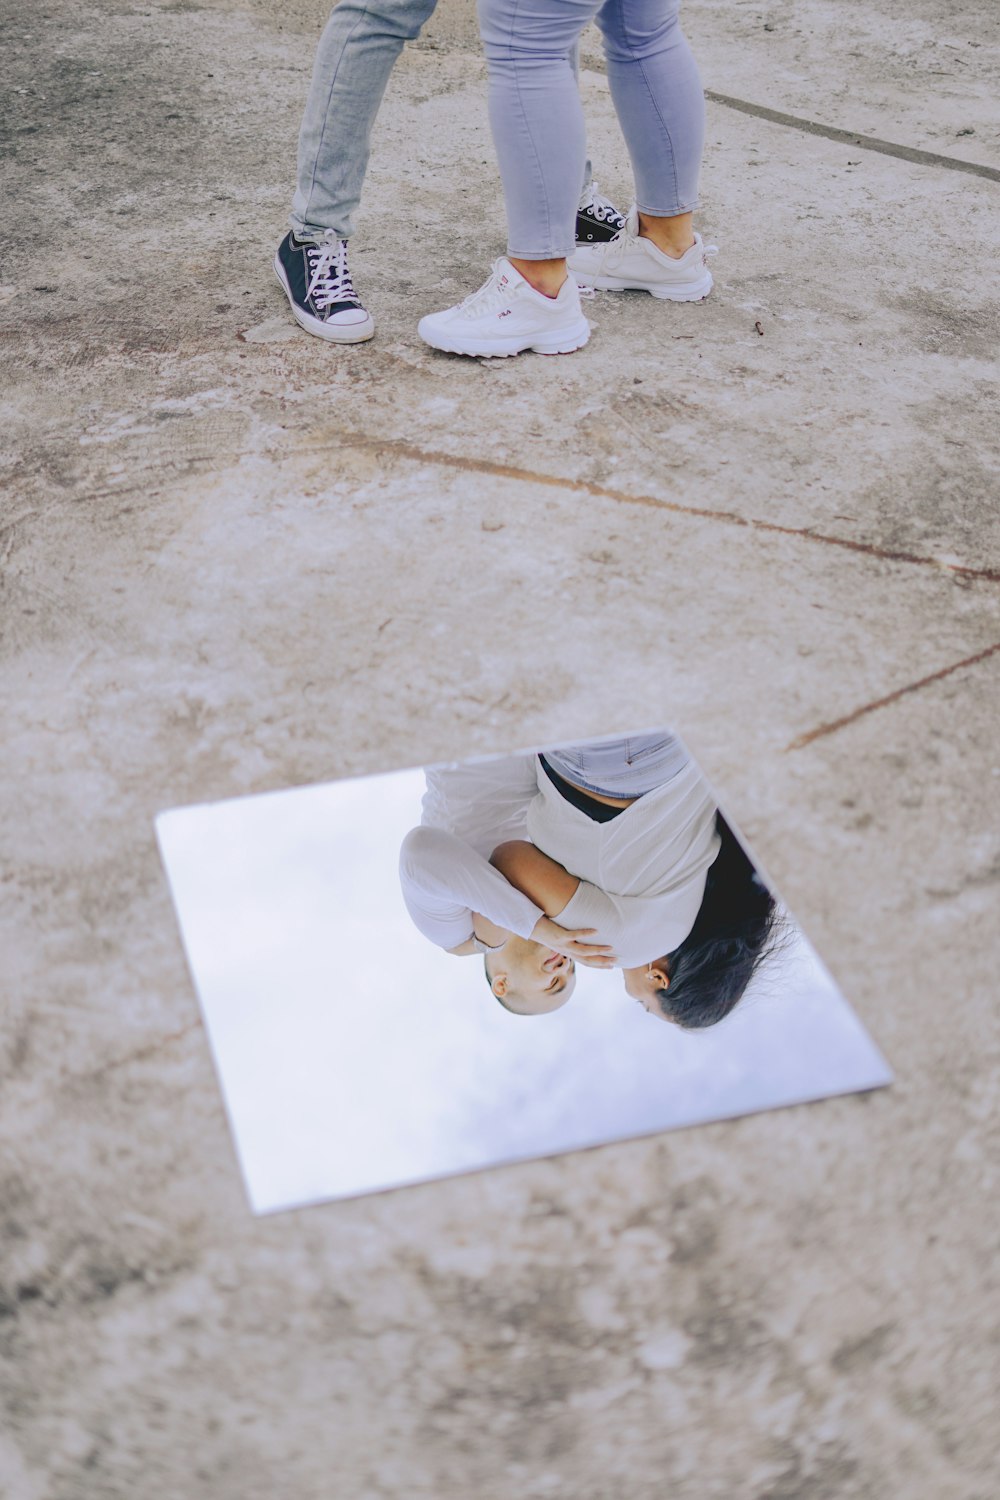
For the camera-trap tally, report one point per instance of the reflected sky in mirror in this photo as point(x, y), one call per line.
point(355, 1055)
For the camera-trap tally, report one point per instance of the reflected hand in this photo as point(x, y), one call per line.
point(573, 943)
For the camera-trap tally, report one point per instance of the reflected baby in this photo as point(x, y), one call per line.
point(529, 979)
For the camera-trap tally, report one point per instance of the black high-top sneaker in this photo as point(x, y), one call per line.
point(319, 289)
point(597, 220)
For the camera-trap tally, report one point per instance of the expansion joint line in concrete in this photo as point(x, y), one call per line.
point(141, 1053)
point(869, 708)
point(852, 138)
point(400, 448)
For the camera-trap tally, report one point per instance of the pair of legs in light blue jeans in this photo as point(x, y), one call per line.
point(537, 119)
point(354, 59)
point(356, 54)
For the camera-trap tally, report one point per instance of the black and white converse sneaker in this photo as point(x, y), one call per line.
point(597, 220)
point(318, 286)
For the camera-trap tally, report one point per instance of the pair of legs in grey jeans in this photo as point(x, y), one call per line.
point(537, 118)
point(531, 301)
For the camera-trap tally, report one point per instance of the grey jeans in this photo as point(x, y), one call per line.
point(537, 118)
point(355, 56)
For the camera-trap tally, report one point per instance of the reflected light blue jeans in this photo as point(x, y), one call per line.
point(624, 767)
point(355, 56)
point(537, 118)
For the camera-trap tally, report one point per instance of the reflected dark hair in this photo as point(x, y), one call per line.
point(736, 927)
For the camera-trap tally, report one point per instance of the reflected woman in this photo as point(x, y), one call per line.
point(684, 883)
point(623, 842)
point(706, 975)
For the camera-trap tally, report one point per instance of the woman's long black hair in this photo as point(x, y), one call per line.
point(735, 927)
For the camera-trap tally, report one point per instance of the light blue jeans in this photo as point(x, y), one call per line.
point(624, 767)
point(355, 56)
point(537, 118)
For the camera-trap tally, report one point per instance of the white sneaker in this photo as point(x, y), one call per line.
point(506, 316)
point(629, 262)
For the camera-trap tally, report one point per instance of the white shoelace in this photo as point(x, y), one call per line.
point(331, 280)
point(618, 246)
point(490, 295)
point(601, 208)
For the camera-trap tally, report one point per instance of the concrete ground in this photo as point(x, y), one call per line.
point(236, 559)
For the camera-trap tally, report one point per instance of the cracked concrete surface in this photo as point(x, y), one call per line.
point(234, 559)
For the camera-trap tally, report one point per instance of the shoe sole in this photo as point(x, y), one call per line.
point(353, 333)
point(566, 341)
point(695, 291)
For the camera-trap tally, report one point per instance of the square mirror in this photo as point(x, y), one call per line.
point(409, 975)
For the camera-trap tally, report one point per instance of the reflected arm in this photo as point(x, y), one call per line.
point(549, 883)
point(543, 879)
point(445, 883)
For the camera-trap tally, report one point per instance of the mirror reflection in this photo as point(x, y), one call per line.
point(612, 854)
point(409, 975)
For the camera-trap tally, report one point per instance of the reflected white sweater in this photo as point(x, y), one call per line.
point(642, 875)
point(444, 870)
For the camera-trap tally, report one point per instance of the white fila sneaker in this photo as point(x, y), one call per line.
point(630, 262)
point(506, 316)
